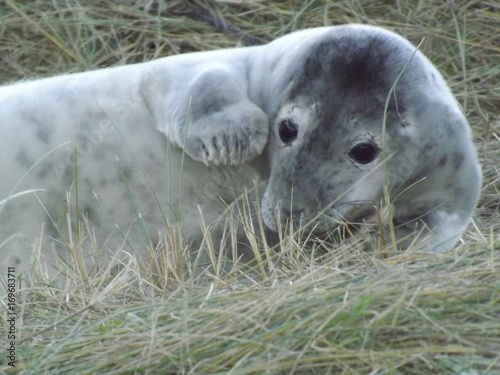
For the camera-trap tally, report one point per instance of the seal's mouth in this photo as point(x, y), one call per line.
point(323, 224)
point(345, 227)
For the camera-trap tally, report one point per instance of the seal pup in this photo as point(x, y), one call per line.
point(329, 117)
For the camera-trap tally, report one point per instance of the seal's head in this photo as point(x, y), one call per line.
point(363, 109)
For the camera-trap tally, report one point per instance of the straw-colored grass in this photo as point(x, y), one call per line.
point(328, 308)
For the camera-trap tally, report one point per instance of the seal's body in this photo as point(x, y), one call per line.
point(328, 116)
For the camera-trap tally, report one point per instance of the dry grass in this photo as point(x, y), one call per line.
point(313, 311)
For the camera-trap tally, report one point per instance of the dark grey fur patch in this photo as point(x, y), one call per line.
point(442, 161)
point(42, 133)
point(458, 160)
point(68, 175)
point(50, 230)
point(24, 160)
point(359, 64)
point(45, 171)
point(127, 174)
point(90, 212)
point(458, 192)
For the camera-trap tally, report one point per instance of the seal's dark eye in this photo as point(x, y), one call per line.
point(364, 153)
point(288, 131)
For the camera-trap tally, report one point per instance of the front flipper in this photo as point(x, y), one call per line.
point(221, 126)
point(439, 230)
point(435, 208)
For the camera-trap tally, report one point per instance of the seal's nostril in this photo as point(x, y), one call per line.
point(285, 212)
point(293, 213)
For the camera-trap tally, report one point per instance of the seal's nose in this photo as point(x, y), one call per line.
point(294, 214)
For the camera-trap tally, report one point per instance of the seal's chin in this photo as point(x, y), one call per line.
point(322, 224)
point(341, 226)
point(360, 214)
